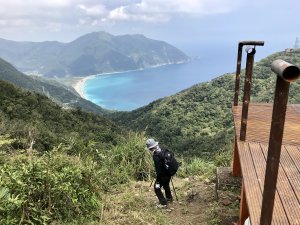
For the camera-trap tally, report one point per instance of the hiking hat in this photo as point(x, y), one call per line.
point(151, 143)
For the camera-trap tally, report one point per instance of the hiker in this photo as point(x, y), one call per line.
point(163, 176)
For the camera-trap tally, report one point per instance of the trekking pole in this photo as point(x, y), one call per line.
point(174, 189)
point(151, 183)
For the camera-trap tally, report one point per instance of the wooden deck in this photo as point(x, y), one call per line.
point(252, 154)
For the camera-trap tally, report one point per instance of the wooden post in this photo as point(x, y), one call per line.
point(286, 73)
point(247, 90)
point(238, 67)
point(238, 75)
point(244, 214)
point(236, 166)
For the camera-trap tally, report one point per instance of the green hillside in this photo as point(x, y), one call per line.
point(93, 53)
point(64, 166)
point(198, 120)
point(26, 115)
point(63, 95)
point(61, 166)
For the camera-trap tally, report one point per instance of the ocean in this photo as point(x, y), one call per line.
point(127, 91)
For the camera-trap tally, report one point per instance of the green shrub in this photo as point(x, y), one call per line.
point(43, 188)
point(223, 158)
point(57, 186)
point(197, 166)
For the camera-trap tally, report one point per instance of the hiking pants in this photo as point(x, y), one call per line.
point(165, 183)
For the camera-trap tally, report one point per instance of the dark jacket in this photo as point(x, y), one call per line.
point(159, 164)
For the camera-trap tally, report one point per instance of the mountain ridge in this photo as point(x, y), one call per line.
point(93, 53)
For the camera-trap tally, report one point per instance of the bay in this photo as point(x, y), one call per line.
point(127, 91)
point(130, 90)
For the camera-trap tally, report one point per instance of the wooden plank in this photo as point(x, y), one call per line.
point(279, 215)
point(294, 153)
point(260, 117)
point(292, 168)
point(286, 193)
point(252, 188)
point(291, 194)
point(253, 162)
point(244, 213)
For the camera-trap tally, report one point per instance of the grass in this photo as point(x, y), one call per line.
point(99, 185)
point(199, 167)
point(128, 204)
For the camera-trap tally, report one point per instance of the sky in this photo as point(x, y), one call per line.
point(183, 23)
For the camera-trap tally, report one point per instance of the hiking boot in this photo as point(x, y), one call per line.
point(169, 200)
point(160, 206)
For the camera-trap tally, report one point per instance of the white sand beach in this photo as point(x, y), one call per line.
point(78, 86)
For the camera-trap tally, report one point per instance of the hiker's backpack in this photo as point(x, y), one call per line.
point(170, 162)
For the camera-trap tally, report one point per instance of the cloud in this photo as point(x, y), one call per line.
point(31, 9)
point(154, 11)
point(60, 15)
point(145, 10)
point(95, 11)
point(161, 11)
point(25, 7)
point(133, 13)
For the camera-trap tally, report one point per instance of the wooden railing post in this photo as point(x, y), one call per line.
point(286, 73)
point(247, 90)
point(238, 75)
point(236, 166)
point(238, 67)
point(236, 169)
point(244, 213)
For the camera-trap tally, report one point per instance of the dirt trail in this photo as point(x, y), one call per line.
point(198, 203)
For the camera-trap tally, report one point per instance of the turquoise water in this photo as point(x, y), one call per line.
point(130, 90)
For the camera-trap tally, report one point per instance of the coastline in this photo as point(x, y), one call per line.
point(79, 85)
